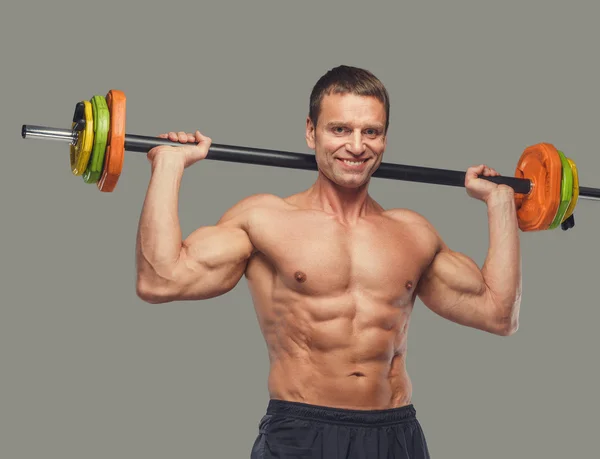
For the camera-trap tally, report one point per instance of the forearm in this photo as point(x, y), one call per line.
point(502, 267)
point(159, 238)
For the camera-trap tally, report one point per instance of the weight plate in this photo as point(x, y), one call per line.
point(101, 128)
point(541, 164)
point(566, 190)
point(83, 121)
point(575, 198)
point(115, 148)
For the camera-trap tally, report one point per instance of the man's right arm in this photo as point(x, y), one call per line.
point(210, 262)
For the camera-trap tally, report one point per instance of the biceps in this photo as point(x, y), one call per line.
point(215, 248)
point(454, 274)
point(454, 288)
point(213, 260)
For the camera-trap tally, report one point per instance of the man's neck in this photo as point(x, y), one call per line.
point(348, 204)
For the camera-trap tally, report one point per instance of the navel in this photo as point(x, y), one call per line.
point(358, 374)
point(300, 276)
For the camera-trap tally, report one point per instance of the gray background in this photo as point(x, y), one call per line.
point(90, 371)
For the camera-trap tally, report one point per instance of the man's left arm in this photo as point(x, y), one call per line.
point(489, 298)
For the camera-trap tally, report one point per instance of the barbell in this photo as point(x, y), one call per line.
point(546, 181)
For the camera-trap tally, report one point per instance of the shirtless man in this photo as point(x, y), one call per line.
point(333, 277)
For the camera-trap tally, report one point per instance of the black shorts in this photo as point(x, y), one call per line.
point(301, 431)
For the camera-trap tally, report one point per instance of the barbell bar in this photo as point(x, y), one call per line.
point(540, 173)
point(284, 159)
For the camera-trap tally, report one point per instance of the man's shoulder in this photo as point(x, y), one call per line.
point(260, 200)
point(407, 216)
point(418, 223)
point(242, 211)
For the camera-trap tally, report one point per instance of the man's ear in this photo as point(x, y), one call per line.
point(310, 133)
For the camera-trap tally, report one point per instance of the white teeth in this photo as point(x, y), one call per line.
point(353, 163)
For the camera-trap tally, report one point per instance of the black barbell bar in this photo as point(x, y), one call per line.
point(291, 160)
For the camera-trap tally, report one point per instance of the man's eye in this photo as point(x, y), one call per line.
point(339, 129)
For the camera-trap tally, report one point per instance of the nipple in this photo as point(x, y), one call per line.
point(300, 276)
point(408, 285)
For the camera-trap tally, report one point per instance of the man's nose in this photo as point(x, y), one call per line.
point(355, 144)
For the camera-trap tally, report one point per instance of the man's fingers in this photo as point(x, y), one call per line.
point(491, 172)
point(482, 169)
point(202, 138)
point(475, 171)
point(183, 137)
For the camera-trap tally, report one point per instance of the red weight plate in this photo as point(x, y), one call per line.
point(115, 145)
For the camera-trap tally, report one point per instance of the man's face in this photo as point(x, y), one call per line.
point(349, 139)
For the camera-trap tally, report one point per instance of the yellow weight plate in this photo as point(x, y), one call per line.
point(571, 207)
point(80, 152)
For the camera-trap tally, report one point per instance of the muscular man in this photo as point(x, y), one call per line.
point(334, 277)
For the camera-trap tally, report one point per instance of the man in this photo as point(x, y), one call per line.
point(333, 277)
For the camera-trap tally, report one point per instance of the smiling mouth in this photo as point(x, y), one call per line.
point(353, 163)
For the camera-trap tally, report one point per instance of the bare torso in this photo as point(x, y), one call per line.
point(334, 302)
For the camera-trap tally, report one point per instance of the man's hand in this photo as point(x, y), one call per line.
point(187, 154)
point(482, 189)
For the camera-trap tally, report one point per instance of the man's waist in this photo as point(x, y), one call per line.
point(339, 415)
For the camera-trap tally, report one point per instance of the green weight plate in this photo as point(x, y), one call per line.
point(101, 128)
point(566, 191)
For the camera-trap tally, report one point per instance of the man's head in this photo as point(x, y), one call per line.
point(347, 125)
point(348, 80)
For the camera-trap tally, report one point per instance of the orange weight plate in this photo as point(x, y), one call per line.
point(115, 145)
point(542, 165)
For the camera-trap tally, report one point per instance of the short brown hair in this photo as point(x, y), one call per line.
point(345, 79)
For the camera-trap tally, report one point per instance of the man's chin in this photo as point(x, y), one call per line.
point(347, 181)
point(351, 184)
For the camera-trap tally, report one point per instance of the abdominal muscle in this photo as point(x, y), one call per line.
point(334, 302)
point(345, 351)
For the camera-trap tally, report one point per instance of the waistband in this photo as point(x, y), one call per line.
point(340, 415)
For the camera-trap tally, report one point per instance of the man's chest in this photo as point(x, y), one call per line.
point(316, 254)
